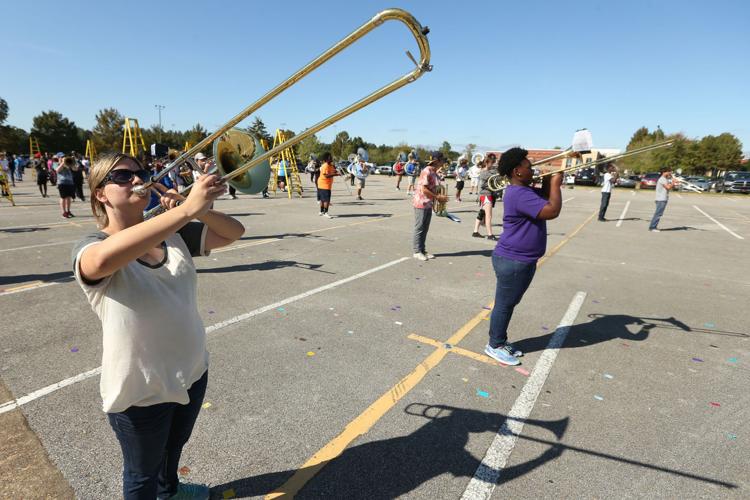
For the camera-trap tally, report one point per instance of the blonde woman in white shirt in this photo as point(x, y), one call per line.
point(140, 279)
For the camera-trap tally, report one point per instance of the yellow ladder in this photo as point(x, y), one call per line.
point(293, 181)
point(90, 150)
point(33, 147)
point(132, 137)
point(187, 146)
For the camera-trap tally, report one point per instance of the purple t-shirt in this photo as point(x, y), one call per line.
point(524, 237)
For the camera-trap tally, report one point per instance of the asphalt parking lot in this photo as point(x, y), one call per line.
point(343, 368)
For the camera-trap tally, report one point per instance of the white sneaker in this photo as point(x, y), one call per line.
point(429, 256)
point(327, 215)
point(420, 256)
point(654, 230)
point(320, 214)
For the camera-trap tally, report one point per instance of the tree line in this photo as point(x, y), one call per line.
point(56, 133)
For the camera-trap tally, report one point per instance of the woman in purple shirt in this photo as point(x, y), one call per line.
point(522, 243)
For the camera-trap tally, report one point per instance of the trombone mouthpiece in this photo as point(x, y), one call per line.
point(140, 190)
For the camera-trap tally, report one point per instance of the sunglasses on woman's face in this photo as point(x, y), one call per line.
point(125, 176)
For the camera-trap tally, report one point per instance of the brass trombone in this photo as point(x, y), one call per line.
point(497, 183)
point(250, 156)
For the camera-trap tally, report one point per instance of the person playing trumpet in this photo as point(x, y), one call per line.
point(608, 182)
point(523, 241)
point(663, 186)
point(140, 280)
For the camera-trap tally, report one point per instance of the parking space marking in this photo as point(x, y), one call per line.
point(370, 416)
point(487, 474)
point(222, 324)
point(37, 246)
point(678, 195)
point(569, 199)
point(48, 225)
point(455, 349)
point(725, 228)
point(622, 215)
point(31, 286)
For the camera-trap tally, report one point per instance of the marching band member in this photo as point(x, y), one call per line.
point(522, 242)
point(486, 199)
point(474, 172)
point(398, 169)
point(663, 186)
point(140, 280)
point(325, 183)
point(361, 171)
point(424, 197)
point(461, 173)
point(609, 180)
point(411, 169)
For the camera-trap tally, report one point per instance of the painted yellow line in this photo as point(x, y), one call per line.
point(365, 420)
point(33, 284)
point(455, 349)
point(271, 240)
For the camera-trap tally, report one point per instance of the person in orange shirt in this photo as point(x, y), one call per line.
point(325, 183)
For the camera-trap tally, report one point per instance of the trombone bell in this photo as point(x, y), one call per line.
point(233, 149)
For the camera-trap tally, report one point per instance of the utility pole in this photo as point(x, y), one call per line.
point(159, 107)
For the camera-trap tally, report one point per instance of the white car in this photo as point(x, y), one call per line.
point(383, 169)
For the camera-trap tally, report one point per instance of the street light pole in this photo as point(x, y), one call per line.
point(159, 107)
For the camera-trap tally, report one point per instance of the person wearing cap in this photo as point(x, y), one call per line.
point(361, 171)
point(663, 186)
point(202, 161)
point(425, 195)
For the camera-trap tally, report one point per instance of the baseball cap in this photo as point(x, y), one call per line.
point(436, 156)
point(200, 156)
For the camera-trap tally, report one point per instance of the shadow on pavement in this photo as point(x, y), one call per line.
point(345, 216)
point(61, 277)
point(270, 265)
point(14, 230)
point(280, 236)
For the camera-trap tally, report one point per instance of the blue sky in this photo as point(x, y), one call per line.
point(505, 73)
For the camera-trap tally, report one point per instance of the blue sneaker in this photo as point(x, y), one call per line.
point(191, 491)
point(501, 355)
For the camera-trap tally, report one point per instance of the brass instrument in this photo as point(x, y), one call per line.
point(497, 181)
point(237, 155)
point(439, 207)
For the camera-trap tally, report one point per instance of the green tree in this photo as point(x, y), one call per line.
point(259, 129)
point(3, 110)
point(13, 139)
point(309, 146)
point(469, 151)
point(445, 148)
point(108, 131)
point(722, 152)
point(341, 146)
point(55, 132)
point(196, 135)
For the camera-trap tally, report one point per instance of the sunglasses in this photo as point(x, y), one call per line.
point(125, 176)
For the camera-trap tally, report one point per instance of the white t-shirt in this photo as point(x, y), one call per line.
point(474, 172)
point(154, 341)
point(607, 183)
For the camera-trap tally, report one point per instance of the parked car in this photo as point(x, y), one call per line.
point(697, 181)
point(383, 169)
point(587, 176)
point(649, 180)
point(627, 182)
point(734, 182)
point(451, 171)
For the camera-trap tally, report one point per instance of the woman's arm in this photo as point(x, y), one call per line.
point(554, 204)
point(105, 258)
point(222, 229)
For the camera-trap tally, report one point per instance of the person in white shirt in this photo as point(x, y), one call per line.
point(474, 172)
point(609, 181)
point(140, 280)
point(461, 173)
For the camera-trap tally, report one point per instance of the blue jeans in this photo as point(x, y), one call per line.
point(513, 279)
point(422, 217)
point(151, 439)
point(660, 206)
point(604, 204)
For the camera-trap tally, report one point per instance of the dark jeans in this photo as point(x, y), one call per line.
point(422, 218)
point(660, 206)
point(604, 205)
point(513, 278)
point(151, 439)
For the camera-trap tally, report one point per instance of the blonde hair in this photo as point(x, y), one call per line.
point(99, 170)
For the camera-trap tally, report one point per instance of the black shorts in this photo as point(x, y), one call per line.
point(459, 185)
point(67, 190)
point(324, 195)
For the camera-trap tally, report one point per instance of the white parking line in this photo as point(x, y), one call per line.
point(622, 215)
point(632, 193)
point(11, 405)
point(488, 473)
point(725, 228)
point(38, 246)
point(568, 199)
point(679, 195)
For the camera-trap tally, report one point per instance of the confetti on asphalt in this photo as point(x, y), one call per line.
point(335, 314)
point(280, 309)
point(731, 360)
point(310, 353)
point(330, 308)
point(448, 346)
point(598, 397)
point(610, 377)
point(211, 311)
point(545, 328)
point(398, 323)
point(522, 371)
point(698, 360)
point(206, 405)
point(350, 332)
point(465, 379)
point(488, 308)
point(184, 471)
point(731, 436)
point(712, 403)
point(709, 325)
point(228, 493)
point(595, 301)
point(73, 349)
point(714, 346)
point(483, 394)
